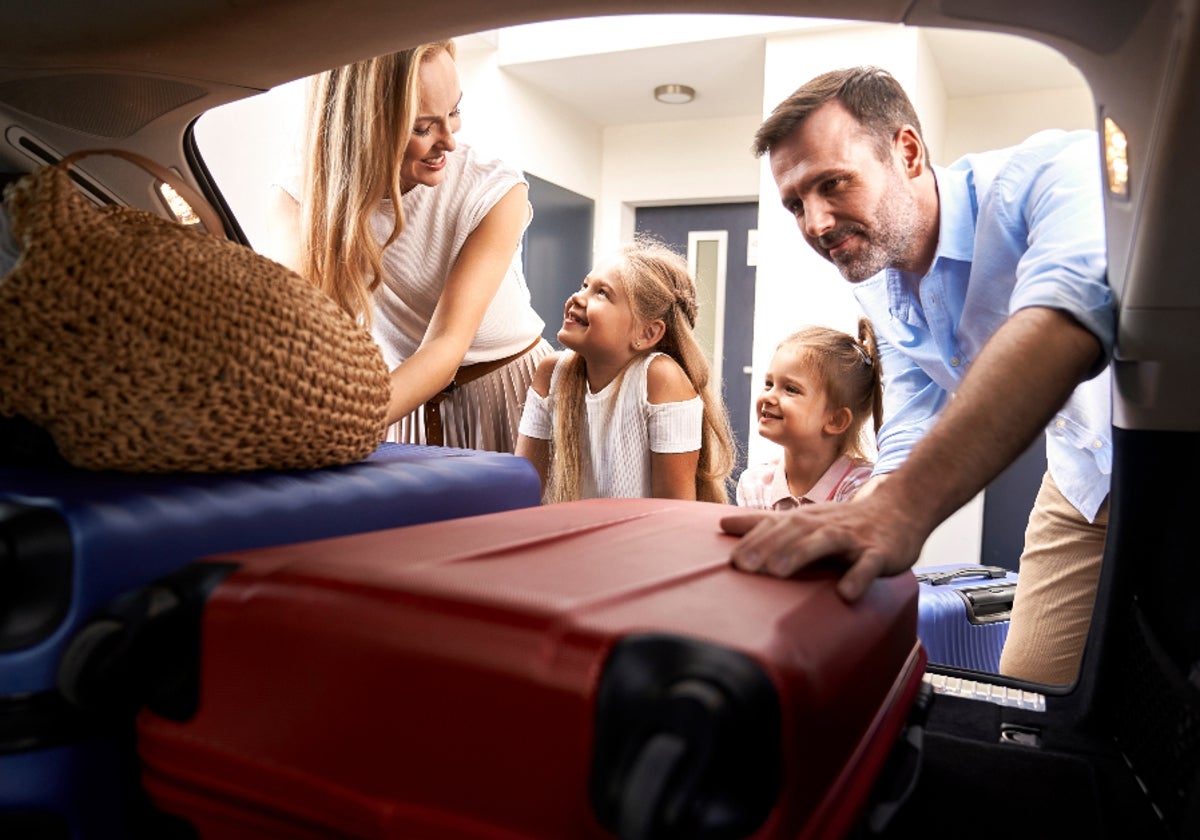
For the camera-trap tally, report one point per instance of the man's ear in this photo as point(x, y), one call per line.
point(838, 422)
point(651, 333)
point(910, 151)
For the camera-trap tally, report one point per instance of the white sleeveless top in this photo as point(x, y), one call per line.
point(623, 428)
point(437, 222)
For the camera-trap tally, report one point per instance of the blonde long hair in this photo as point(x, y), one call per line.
point(658, 284)
point(851, 373)
point(360, 117)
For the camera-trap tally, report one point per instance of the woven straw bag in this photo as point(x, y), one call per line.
point(141, 345)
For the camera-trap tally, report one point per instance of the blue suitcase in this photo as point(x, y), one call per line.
point(72, 540)
point(963, 612)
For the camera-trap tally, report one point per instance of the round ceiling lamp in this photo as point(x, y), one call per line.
point(674, 94)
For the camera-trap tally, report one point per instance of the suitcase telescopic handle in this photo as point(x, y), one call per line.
point(942, 578)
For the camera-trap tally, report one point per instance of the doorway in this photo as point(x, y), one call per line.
point(716, 238)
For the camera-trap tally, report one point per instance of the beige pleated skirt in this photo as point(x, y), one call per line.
point(483, 414)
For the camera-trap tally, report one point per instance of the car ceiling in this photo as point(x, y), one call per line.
point(84, 73)
point(261, 43)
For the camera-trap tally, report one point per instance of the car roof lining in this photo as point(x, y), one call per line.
point(252, 44)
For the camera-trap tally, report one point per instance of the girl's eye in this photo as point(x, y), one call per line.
point(792, 389)
point(422, 132)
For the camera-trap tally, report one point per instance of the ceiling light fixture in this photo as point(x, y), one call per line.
point(674, 94)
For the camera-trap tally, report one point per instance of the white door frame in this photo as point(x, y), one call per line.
point(695, 237)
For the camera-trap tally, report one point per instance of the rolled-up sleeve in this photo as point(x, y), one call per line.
point(1065, 266)
point(911, 403)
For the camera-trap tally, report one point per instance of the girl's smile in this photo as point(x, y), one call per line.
point(574, 316)
point(598, 319)
point(792, 407)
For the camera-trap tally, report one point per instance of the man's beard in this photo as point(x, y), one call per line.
point(888, 245)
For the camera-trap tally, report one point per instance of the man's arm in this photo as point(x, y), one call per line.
point(1025, 373)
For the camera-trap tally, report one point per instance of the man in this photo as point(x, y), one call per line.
point(986, 284)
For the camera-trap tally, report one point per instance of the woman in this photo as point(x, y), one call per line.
point(419, 238)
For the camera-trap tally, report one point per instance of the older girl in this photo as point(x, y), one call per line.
point(627, 410)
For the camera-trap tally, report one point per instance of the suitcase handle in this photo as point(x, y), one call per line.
point(988, 604)
point(942, 578)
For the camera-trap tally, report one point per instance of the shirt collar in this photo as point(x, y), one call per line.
point(956, 214)
point(779, 491)
point(822, 491)
point(957, 209)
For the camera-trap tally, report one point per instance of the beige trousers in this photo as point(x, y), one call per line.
point(1056, 590)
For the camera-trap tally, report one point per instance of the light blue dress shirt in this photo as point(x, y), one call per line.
point(1019, 227)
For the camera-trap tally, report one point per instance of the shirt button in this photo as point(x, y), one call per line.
point(954, 362)
point(1060, 424)
point(1097, 444)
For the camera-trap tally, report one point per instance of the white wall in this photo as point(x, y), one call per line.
point(690, 162)
point(979, 123)
point(930, 99)
point(512, 120)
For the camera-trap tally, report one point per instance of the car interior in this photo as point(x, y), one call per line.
point(1117, 754)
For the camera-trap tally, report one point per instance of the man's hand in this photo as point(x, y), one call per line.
point(873, 535)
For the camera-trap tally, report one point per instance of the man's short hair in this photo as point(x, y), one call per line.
point(872, 96)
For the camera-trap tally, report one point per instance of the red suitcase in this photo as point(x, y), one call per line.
point(588, 669)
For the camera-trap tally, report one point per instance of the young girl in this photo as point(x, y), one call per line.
point(821, 386)
point(626, 410)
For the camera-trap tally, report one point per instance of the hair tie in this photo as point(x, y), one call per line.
point(862, 352)
point(683, 307)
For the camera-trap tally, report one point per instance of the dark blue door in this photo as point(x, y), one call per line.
point(557, 249)
point(673, 225)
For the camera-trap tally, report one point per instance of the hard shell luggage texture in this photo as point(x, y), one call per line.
point(588, 669)
point(71, 540)
point(963, 613)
